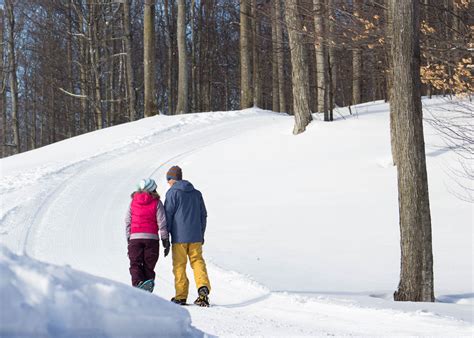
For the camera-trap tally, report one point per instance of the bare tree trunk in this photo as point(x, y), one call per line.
point(13, 76)
point(182, 107)
point(194, 98)
point(149, 57)
point(321, 57)
point(416, 273)
point(95, 64)
point(246, 95)
point(356, 65)
point(332, 54)
point(257, 86)
point(389, 77)
point(299, 65)
point(275, 79)
point(129, 65)
point(3, 110)
point(281, 59)
point(83, 72)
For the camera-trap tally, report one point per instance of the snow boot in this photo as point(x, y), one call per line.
point(203, 299)
point(178, 301)
point(147, 285)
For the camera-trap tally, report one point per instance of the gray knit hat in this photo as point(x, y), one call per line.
point(147, 184)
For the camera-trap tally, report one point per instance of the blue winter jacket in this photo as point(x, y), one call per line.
point(186, 213)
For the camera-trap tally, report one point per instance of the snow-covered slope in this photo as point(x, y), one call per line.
point(42, 300)
point(308, 223)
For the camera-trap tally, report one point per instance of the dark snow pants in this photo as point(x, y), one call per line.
point(143, 255)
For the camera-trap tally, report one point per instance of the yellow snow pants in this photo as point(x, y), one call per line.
point(180, 253)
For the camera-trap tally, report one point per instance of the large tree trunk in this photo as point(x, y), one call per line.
point(150, 108)
point(182, 107)
point(257, 85)
point(281, 59)
point(129, 65)
point(300, 80)
point(321, 57)
point(13, 76)
point(246, 95)
point(416, 273)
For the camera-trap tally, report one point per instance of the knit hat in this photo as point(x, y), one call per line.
point(175, 173)
point(147, 184)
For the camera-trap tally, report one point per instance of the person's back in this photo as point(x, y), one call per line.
point(186, 217)
point(186, 213)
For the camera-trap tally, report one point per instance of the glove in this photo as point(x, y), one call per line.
point(166, 245)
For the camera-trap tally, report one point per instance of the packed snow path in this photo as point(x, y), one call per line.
point(76, 218)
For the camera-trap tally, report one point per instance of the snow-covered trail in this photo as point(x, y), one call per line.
point(77, 219)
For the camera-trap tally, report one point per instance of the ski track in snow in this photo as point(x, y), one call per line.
point(77, 219)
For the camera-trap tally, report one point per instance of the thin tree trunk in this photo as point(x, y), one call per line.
point(416, 272)
point(389, 77)
point(357, 65)
point(246, 95)
point(193, 59)
point(94, 60)
point(275, 79)
point(182, 106)
point(3, 110)
point(332, 56)
point(149, 57)
point(257, 86)
point(129, 64)
point(13, 76)
point(280, 54)
point(300, 80)
point(83, 74)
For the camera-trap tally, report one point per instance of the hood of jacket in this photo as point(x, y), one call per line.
point(143, 198)
point(183, 185)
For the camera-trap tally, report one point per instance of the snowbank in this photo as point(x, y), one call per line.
point(42, 300)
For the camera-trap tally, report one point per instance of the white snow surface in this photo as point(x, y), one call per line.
point(43, 300)
point(302, 235)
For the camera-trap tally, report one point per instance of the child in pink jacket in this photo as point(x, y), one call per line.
point(145, 223)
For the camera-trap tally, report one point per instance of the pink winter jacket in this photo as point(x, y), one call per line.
point(145, 217)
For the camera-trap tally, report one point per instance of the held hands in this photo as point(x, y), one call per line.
point(166, 245)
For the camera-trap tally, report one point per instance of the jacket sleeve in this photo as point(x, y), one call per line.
point(161, 219)
point(128, 222)
point(170, 210)
point(203, 216)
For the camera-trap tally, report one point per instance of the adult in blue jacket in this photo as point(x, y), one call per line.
point(186, 218)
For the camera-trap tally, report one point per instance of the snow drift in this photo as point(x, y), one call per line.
point(43, 300)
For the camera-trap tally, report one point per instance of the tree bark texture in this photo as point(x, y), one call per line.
point(128, 63)
point(150, 108)
point(182, 106)
point(416, 273)
point(13, 76)
point(275, 79)
point(356, 65)
point(280, 55)
point(257, 85)
point(321, 56)
point(299, 74)
point(246, 93)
